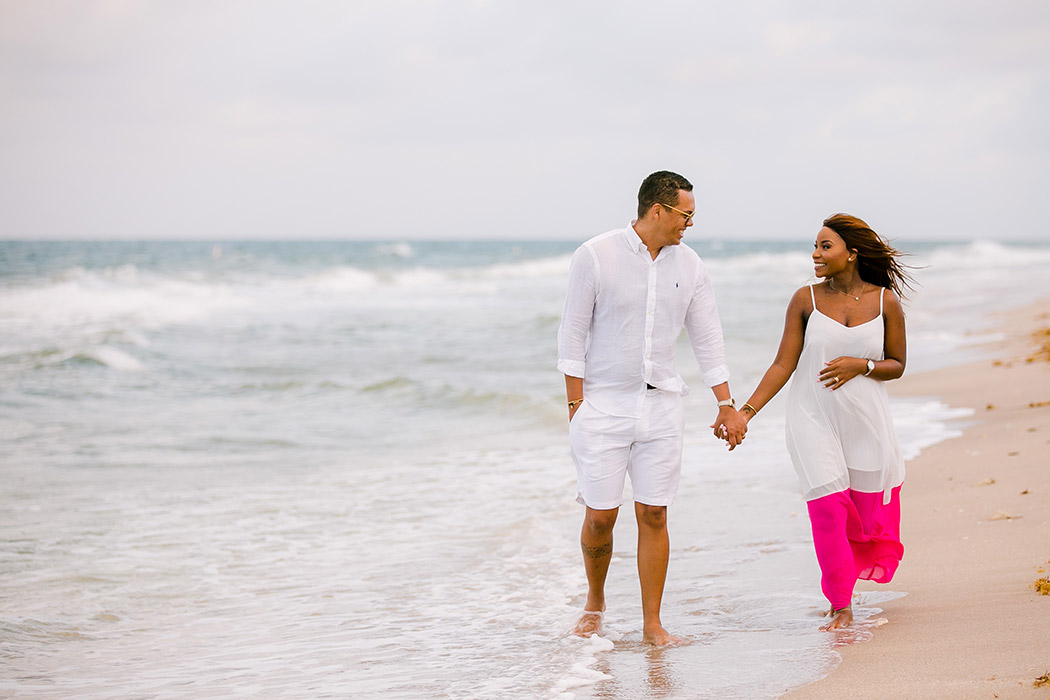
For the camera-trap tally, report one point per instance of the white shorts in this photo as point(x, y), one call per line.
point(606, 448)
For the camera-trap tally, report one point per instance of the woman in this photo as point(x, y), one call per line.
point(845, 337)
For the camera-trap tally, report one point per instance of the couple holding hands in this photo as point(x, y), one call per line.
point(631, 291)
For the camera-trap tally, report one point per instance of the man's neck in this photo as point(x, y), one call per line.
point(646, 234)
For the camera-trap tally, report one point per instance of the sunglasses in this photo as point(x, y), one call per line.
point(688, 217)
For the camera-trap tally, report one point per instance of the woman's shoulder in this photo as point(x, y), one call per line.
point(891, 301)
point(802, 299)
point(807, 290)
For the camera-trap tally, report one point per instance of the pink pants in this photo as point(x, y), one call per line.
point(856, 537)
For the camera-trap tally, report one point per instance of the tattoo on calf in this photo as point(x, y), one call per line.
point(602, 550)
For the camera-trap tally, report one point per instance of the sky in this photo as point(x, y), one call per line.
point(520, 119)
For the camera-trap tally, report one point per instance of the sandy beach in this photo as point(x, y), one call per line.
point(976, 530)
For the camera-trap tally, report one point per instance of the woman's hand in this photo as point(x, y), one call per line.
point(841, 370)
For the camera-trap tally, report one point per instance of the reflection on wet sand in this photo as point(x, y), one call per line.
point(635, 660)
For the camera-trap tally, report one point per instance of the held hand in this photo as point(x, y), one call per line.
point(841, 370)
point(730, 426)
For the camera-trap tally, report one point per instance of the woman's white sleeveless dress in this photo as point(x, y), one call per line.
point(842, 439)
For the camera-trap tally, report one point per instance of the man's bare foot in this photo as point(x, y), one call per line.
point(589, 624)
point(659, 637)
point(839, 618)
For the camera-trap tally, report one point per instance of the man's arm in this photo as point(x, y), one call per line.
point(704, 328)
point(705, 334)
point(575, 325)
point(729, 424)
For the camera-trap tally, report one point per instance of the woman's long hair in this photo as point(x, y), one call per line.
point(877, 261)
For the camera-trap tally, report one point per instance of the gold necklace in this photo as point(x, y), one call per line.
point(832, 285)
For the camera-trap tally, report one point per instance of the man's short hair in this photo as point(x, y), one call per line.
point(661, 188)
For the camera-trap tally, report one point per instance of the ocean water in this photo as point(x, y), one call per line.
point(340, 470)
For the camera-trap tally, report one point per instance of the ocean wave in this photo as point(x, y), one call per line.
point(982, 254)
point(81, 297)
point(444, 280)
point(398, 250)
point(922, 423)
point(763, 260)
point(18, 360)
point(111, 357)
point(391, 384)
point(340, 279)
point(540, 267)
point(446, 396)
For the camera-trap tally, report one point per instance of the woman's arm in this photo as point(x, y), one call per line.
point(787, 354)
point(895, 341)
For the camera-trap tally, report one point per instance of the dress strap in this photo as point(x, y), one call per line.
point(813, 298)
point(882, 295)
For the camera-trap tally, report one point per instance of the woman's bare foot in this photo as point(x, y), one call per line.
point(659, 637)
point(839, 618)
point(589, 624)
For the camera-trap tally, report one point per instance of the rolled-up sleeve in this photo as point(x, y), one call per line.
point(705, 331)
point(578, 313)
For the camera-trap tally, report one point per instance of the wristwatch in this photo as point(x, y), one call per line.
point(871, 367)
point(728, 402)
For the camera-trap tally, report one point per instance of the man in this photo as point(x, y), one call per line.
point(630, 293)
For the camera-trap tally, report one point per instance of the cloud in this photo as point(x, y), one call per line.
point(454, 119)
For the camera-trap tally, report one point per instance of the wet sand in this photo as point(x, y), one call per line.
point(976, 530)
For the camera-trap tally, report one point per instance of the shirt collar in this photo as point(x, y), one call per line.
point(633, 240)
point(635, 243)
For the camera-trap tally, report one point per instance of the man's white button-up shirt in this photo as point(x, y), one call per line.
point(623, 314)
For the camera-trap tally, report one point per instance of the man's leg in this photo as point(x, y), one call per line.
point(596, 542)
point(653, 552)
point(655, 468)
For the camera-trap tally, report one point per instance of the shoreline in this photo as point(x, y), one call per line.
point(976, 530)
